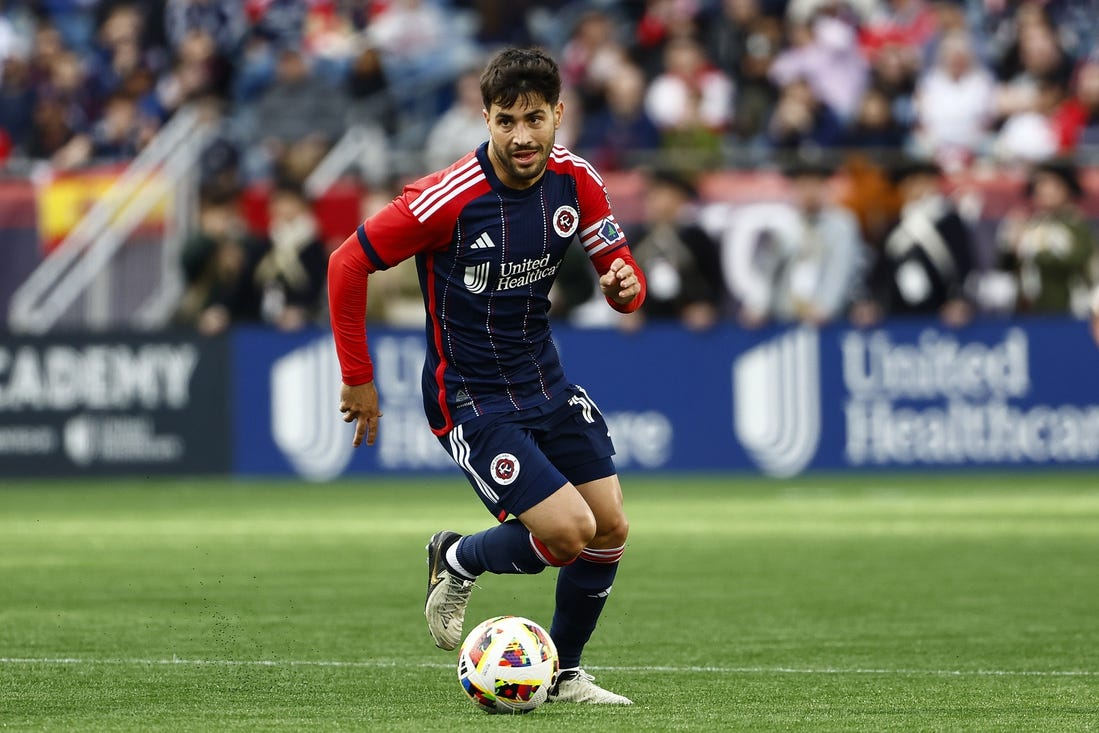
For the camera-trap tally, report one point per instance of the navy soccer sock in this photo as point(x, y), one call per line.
point(582, 590)
point(507, 548)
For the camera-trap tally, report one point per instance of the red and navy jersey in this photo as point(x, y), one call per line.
point(487, 256)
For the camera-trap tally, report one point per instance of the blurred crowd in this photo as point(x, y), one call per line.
point(918, 90)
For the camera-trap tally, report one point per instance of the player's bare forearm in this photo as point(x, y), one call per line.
point(622, 284)
point(359, 404)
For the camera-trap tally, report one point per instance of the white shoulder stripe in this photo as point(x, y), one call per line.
point(430, 195)
point(563, 155)
point(449, 178)
point(450, 196)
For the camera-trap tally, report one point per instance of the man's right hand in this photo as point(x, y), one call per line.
point(359, 404)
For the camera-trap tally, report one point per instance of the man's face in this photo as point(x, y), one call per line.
point(1050, 192)
point(810, 193)
point(520, 139)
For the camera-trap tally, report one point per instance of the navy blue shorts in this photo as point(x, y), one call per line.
point(514, 460)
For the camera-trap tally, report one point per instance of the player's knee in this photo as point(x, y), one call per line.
point(612, 533)
point(569, 540)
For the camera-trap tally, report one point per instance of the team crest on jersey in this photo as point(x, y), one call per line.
point(565, 221)
point(609, 231)
point(476, 278)
point(505, 469)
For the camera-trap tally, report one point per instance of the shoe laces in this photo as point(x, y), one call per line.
point(579, 675)
point(457, 594)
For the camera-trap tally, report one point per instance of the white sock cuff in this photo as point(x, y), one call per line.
point(451, 558)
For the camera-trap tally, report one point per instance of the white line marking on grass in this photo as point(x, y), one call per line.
point(387, 664)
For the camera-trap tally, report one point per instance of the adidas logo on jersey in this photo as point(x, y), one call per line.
point(483, 242)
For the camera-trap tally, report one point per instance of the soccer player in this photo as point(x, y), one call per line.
point(488, 234)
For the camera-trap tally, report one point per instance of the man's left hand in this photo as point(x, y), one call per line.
point(620, 282)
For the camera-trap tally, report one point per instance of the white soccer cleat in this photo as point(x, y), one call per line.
point(447, 594)
point(576, 685)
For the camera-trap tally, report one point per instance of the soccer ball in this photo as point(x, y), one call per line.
point(507, 664)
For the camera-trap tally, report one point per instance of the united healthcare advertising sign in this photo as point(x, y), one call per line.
point(775, 401)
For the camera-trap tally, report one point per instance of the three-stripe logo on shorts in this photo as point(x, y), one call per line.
point(460, 452)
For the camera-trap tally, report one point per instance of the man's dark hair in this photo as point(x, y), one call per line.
point(520, 72)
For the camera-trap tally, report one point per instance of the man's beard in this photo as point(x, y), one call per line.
point(528, 172)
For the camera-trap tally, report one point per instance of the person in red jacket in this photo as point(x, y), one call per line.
point(489, 234)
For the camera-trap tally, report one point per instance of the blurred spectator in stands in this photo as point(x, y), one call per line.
point(743, 42)
point(223, 21)
point(1018, 36)
point(272, 26)
point(1050, 248)
point(421, 45)
point(45, 51)
point(619, 135)
point(10, 44)
point(220, 23)
point(17, 102)
point(953, 103)
point(680, 259)
point(373, 109)
point(800, 121)
point(368, 86)
point(802, 12)
point(369, 91)
point(894, 73)
point(824, 53)
point(69, 81)
point(507, 22)
point(1082, 109)
point(591, 58)
point(906, 27)
point(297, 119)
point(293, 269)
point(461, 128)
point(118, 136)
point(951, 16)
point(314, 27)
point(192, 76)
point(922, 264)
point(218, 265)
point(874, 127)
point(1042, 63)
point(870, 194)
point(802, 268)
point(74, 20)
point(119, 52)
point(52, 128)
point(1041, 130)
point(691, 101)
point(662, 22)
point(121, 132)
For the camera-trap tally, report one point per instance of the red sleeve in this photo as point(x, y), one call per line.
point(392, 235)
point(348, 269)
point(600, 233)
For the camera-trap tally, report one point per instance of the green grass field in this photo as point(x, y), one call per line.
point(886, 603)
